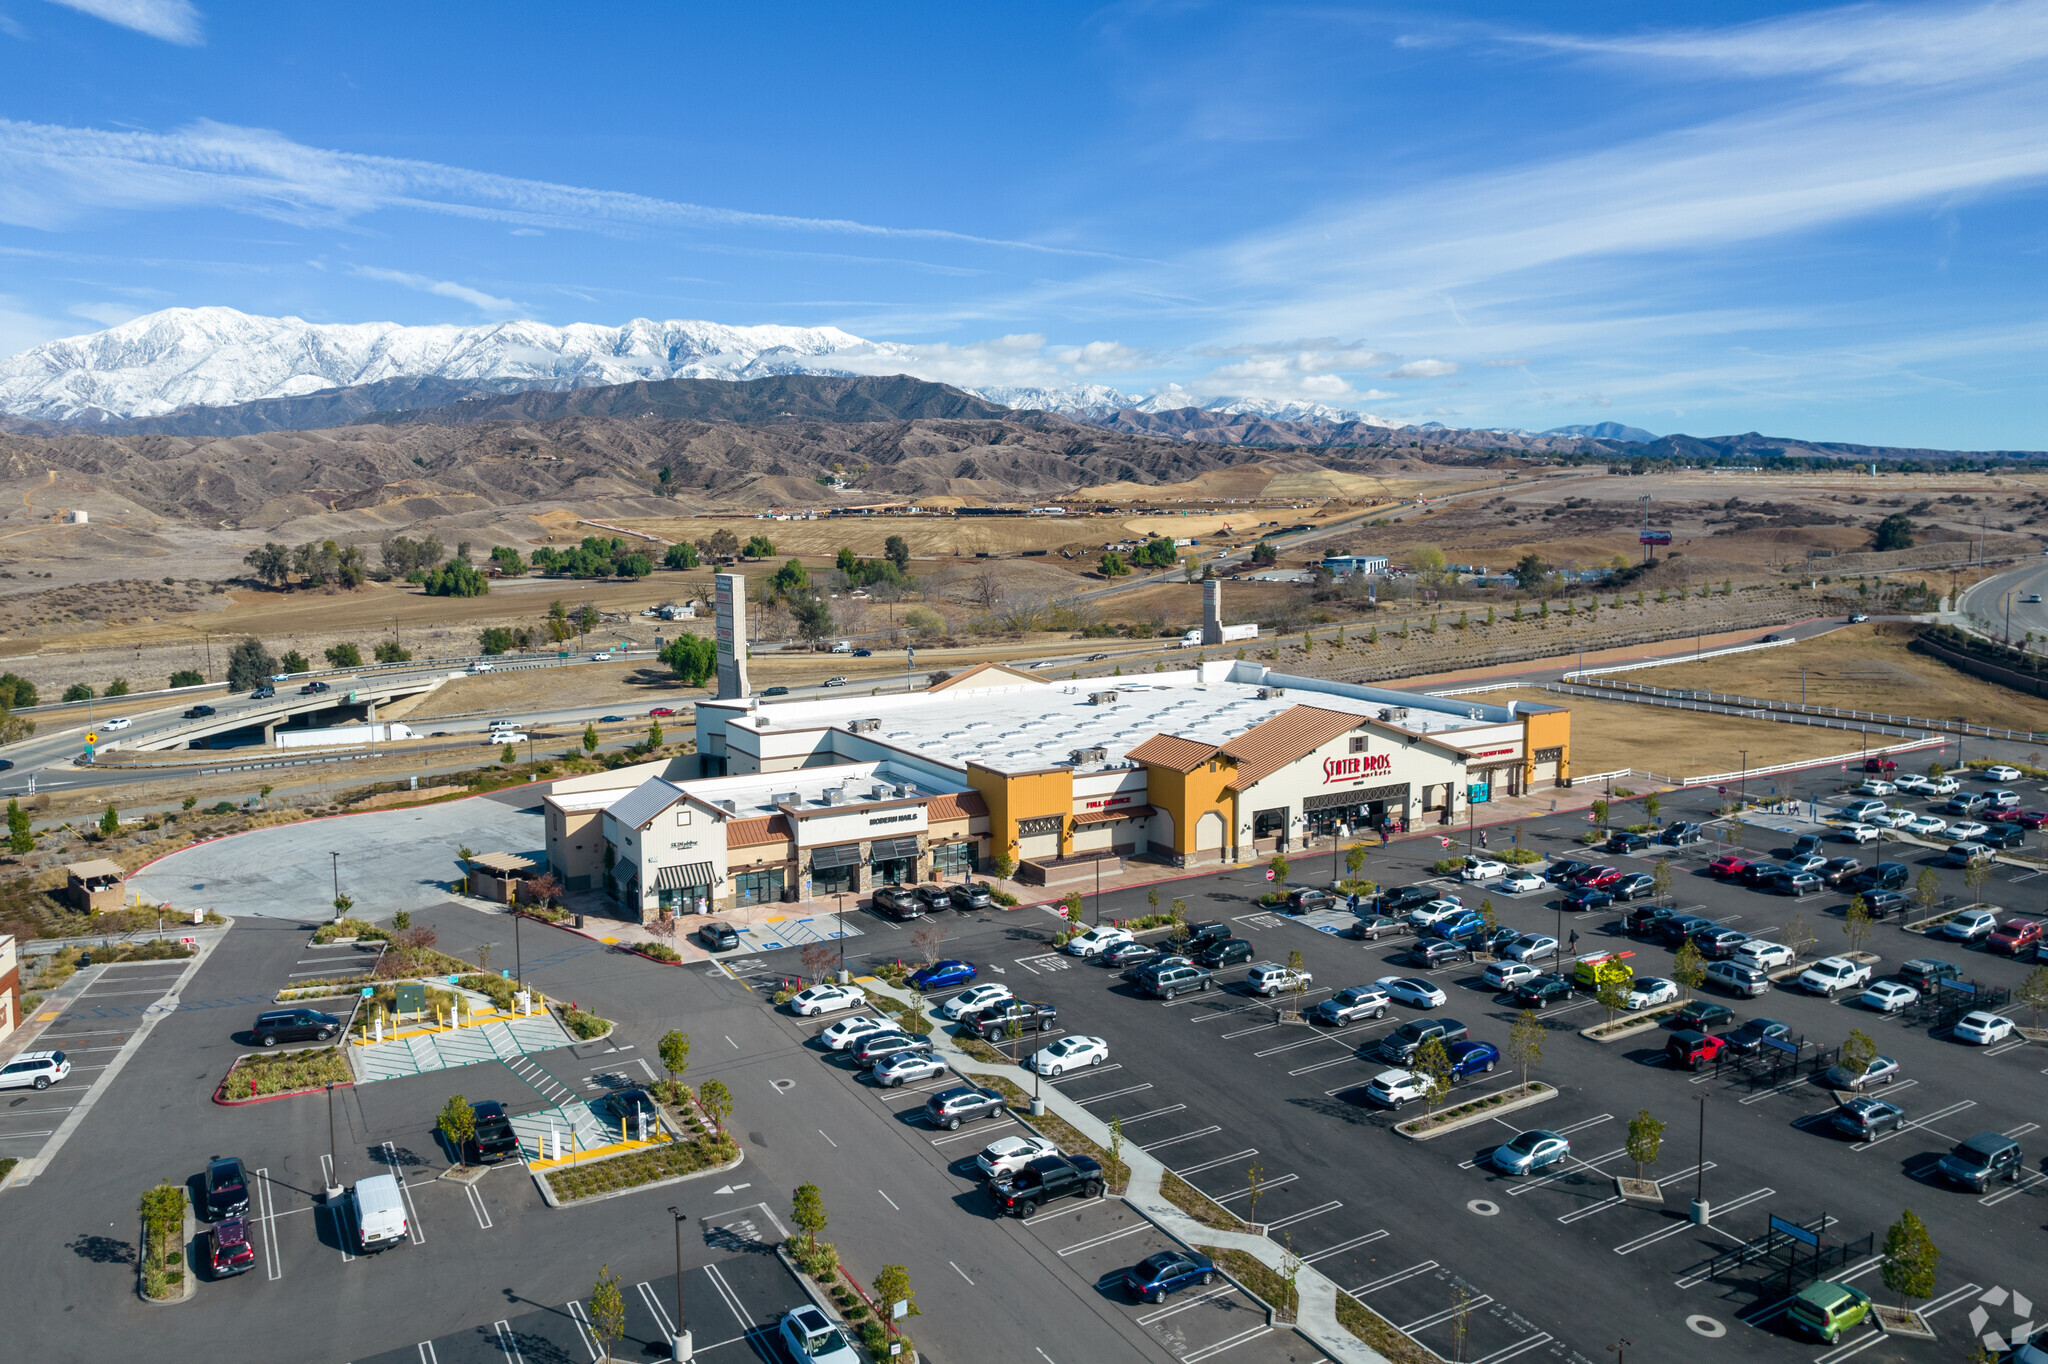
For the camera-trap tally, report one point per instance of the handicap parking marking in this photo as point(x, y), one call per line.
point(1045, 963)
point(1259, 921)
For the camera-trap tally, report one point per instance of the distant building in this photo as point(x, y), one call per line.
point(76, 518)
point(1344, 565)
point(95, 886)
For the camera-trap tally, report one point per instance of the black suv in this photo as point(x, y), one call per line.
point(1585, 898)
point(993, 1021)
point(1400, 901)
point(970, 895)
point(1400, 1045)
point(1431, 953)
point(1883, 876)
point(1627, 843)
point(950, 1107)
point(494, 1139)
point(931, 897)
point(1564, 869)
point(1719, 944)
point(719, 936)
point(1676, 929)
point(898, 902)
point(1885, 903)
point(1643, 921)
point(1224, 952)
point(1924, 973)
point(1303, 901)
point(2003, 836)
point(227, 1189)
point(1680, 835)
point(294, 1025)
point(1200, 935)
point(198, 712)
point(628, 1105)
point(1539, 992)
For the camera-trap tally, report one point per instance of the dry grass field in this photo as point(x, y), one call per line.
point(1678, 743)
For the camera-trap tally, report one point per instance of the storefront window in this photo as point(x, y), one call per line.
point(953, 859)
point(681, 899)
point(832, 880)
point(757, 887)
point(894, 871)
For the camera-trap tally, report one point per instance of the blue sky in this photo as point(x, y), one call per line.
point(1817, 221)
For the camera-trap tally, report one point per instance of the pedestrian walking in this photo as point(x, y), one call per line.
point(1482, 838)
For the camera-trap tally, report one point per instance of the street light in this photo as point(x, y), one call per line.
point(1742, 787)
point(1699, 1196)
point(333, 1166)
point(682, 1350)
point(840, 895)
point(337, 885)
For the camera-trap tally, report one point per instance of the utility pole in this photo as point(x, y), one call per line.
point(1742, 788)
point(337, 880)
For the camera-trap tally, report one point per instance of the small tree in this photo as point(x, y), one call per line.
point(1651, 805)
point(1798, 933)
point(1856, 922)
point(1299, 966)
point(654, 739)
point(1688, 968)
point(607, 1312)
point(590, 737)
point(807, 1210)
point(926, 938)
point(1975, 875)
point(1486, 914)
point(1910, 1258)
point(342, 905)
point(1354, 859)
point(1254, 1186)
point(1661, 876)
point(2033, 993)
point(1645, 1140)
point(717, 1101)
point(1525, 1043)
point(1433, 1062)
point(1613, 994)
point(675, 1053)
point(1926, 890)
point(458, 1124)
point(1002, 864)
point(110, 822)
point(1858, 1051)
point(1179, 909)
point(1116, 1149)
point(21, 836)
point(1600, 813)
point(1278, 866)
point(892, 1286)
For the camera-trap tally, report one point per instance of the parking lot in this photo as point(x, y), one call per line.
point(1438, 1243)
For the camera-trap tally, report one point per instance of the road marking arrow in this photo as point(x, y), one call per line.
point(731, 1189)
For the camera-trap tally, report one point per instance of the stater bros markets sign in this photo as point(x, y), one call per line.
point(1358, 765)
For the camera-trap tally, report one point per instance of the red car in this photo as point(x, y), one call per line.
point(2029, 819)
point(1727, 867)
point(2008, 816)
point(2015, 936)
point(228, 1251)
point(1597, 878)
point(662, 710)
point(1879, 765)
point(1692, 1050)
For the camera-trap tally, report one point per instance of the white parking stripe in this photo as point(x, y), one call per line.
point(648, 1297)
point(1519, 1347)
point(1631, 1247)
point(1273, 1183)
point(1175, 1141)
point(582, 1324)
point(266, 1214)
point(1105, 1239)
point(1343, 1246)
point(508, 1341)
point(971, 1135)
point(1412, 1327)
point(2028, 1181)
point(1397, 1276)
point(1212, 1164)
point(1318, 1211)
point(1582, 1166)
point(1154, 1113)
point(418, 1233)
point(476, 1205)
point(1917, 1124)
point(1113, 1094)
point(1187, 1303)
point(1227, 1343)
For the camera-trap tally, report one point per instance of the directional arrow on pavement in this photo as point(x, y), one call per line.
point(731, 1188)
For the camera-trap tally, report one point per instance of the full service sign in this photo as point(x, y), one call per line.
point(1356, 766)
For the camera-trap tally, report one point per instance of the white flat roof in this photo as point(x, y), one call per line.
point(1029, 727)
point(755, 794)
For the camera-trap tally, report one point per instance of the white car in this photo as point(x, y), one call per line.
point(811, 1337)
point(848, 1031)
point(118, 722)
point(1435, 911)
point(1888, 996)
point(1651, 991)
point(1970, 925)
point(2001, 772)
point(1530, 947)
point(1861, 833)
point(1506, 975)
point(1393, 1088)
point(906, 1067)
point(1097, 940)
point(1764, 955)
point(1413, 991)
point(1963, 830)
point(1482, 869)
point(2002, 800)
point(1007, 1155)
point(1522, 879)
point(1914, 782)
point(1942, 786)
point(34, 1069)
point(1832, 975)
point(977, 997)
point(506, 736)
point(1269, 978)
point(1069, 1053)
point(1888, 819)
point(1982, 1029)
point(1927, 825)
point(1875, 786)
point(601, 658)
point(825, 999)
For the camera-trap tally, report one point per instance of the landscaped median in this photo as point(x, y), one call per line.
point(262, 1076)
point(704, 1147)
point(1476, 1110)
point(1628, 1025)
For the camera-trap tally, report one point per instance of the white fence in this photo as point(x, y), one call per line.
point(1638, 664)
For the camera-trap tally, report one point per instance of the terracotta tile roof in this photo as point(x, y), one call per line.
point(742, 833)
point(1170, 750)
point(1266, 748)
point(1111, 816)
point(956, 805)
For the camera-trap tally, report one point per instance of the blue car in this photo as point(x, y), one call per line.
point(1168, 1272)
point(942, 975)
point(1463, 928)
point(1473, 1058)
point(1530, 1152)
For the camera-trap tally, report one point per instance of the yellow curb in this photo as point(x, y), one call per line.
point(778, 919)
point(594, 1153)
point(609, 942)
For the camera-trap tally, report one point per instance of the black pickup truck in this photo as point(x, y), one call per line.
point(1043, 1180)
point(993, 1021)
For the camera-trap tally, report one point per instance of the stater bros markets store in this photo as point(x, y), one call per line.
point(1220, 762)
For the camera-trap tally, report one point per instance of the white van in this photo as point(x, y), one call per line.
point(1857, 811)
point(481, 667)
point(380, 1213)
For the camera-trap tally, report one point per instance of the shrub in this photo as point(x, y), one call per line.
point(584, 1025)
point(1448, 866)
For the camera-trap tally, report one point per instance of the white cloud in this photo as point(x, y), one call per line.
point(57, 176)
point(1103, 357)
point(528, 232)
point(174, 21)
point(1505, 364)
point(106, 314)
point(1423, 369)
point(476, 298)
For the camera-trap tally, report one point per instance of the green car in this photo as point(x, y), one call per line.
point(1826, 1309)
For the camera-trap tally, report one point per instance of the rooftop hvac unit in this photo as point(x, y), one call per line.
point(905, 790)
point(787, 797)
point(864, 726)
point(1101, 698)
point(1393, 714)
point(1271, 693)
point(834, 795)
point(1088, 755)
point(731, 807)
point(881, 791)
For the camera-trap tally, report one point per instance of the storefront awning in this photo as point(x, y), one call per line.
point(890, 849)
point(689, 876)
point(842, 855)
point(1111, 816)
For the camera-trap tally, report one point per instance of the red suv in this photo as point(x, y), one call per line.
point(2015, 936)
point(1693, 1050)
point(1728, 867)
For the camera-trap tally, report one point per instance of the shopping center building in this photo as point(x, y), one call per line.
point(1219, 762)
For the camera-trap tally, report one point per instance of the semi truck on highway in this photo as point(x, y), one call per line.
point(1231, 635)
point(342, 736)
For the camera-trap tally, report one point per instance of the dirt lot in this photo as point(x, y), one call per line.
point(1865, 667)
point(1678, 743)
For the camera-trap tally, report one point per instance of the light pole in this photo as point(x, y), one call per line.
point(682, 1351)
point(518, 957)
point(1742, 787)
point(337, 885)
point(333, 1166)
point(1699, 1196)
point(840, 895)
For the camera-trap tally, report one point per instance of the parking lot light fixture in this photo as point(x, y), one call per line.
point(841, 897)
point(682, 1350)
point(1700, 1211)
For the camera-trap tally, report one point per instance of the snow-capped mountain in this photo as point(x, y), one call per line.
point(1087, 402)
point(189, 357)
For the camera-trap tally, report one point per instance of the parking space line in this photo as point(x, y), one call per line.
point(1104, 1240)
point(1343, 1246)
point(1412, 1327)
point(1589, 1164)
point(1225, 1013)
point(1800, 1082)
point(267, 1216)
point(476, 1204)
point(962, 1273)
point(2031, 1178)
point(1273, 1183)
point(732, 1299)
point(1398, 1276)
point(1113, 1094)
point(1631, 1247)
point(970, 1136)
point(1212, 1164)
point(1175, 1141)
point(1311, 1040)
point(647, 1295)
point(1325, 1065)
point(1303, 1216)
point(1069, 1206)
point(1093, 1071)
point(418, 1232)
point(427, 1355)
point(2003, 1047)
point(1227, 1343)
point(508, 1341)
point(1268, 1027)
point(1155, 1113)
point(582, 1324)
point(1519, 1347)
point(1918, 1124)
point(1184, 1305)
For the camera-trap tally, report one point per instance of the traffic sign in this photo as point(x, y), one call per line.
point(91, 737)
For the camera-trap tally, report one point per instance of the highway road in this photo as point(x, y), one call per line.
point(1990, 600)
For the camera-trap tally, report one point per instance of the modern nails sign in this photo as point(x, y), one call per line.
point(1357, 765)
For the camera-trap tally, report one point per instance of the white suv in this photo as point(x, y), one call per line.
point(1764, 955)
point(38, 1068)
point(1269, 979)
point(1097, 940)
point(1832, 975)
point(1393, 1088)
point(1970, 925)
